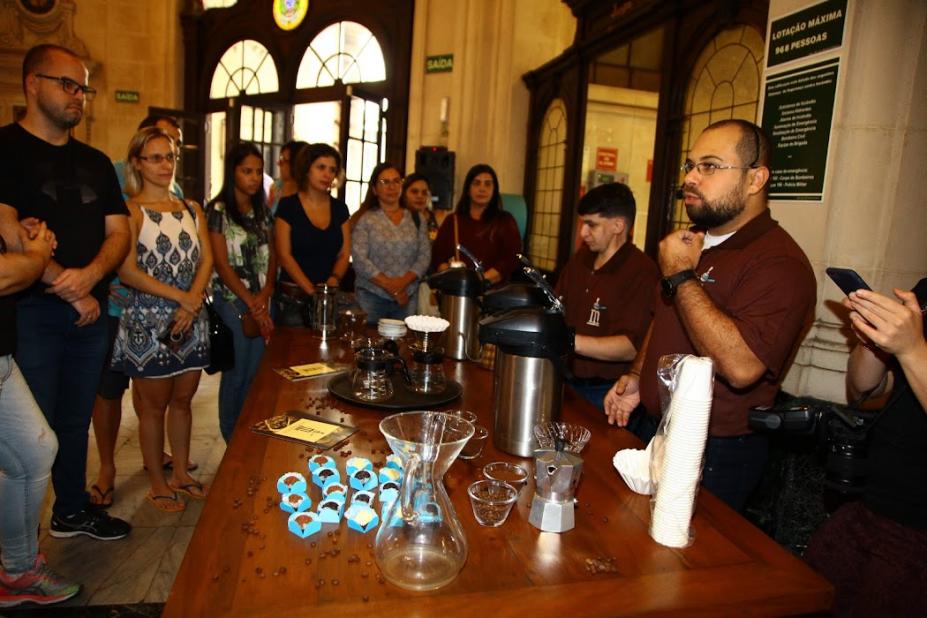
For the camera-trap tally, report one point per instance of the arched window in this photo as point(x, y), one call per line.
point(548, 193)
point(725, 84)
point(245, 68)
point(346, 51)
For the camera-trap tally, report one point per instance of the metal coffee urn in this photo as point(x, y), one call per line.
point(532, 348)
point(459, 292)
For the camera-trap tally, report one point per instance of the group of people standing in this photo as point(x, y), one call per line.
point(70, 220)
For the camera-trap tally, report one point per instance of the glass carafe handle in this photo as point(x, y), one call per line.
point(407, 506)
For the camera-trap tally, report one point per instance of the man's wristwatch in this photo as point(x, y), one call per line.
point(671, 283)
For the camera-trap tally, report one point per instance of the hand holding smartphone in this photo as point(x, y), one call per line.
point(847, 279)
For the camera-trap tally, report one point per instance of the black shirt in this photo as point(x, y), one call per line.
point(315, 250)
point(72, 187)
point(896, 485)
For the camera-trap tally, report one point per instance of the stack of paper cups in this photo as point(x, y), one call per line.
point(684, 446)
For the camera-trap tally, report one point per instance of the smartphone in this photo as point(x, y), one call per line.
point(847, 280)
point(920, 292)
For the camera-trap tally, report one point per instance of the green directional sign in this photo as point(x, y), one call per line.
point(439, 64)
point(127, 96)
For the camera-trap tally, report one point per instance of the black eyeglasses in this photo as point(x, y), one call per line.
point(158, 159)
point(70, 86)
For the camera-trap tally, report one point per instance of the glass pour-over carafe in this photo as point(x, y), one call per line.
point(420, 544)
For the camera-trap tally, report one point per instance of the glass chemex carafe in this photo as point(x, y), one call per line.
point(371, 378)
point(420, 544)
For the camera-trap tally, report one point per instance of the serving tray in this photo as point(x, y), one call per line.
point(404, 398)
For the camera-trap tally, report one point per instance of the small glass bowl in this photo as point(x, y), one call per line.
point(466, 415)
point(574, 437)
point(506, 472)
point(491, 501)
point(475, 445)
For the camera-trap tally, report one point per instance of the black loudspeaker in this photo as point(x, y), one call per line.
point(436, 163)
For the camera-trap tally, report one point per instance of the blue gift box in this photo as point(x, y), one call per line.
point(358, 463)
point(389, 492)
point(361, 517)
point(394, 461)
point(330, 511)
point(326, 476)
point(363, 480)
point(320, 461)
point(335, 491)
point(390, 474)
point(295, 502)
point(363, 497)
point(291, 483)
point(304, 524)
point(428, 512)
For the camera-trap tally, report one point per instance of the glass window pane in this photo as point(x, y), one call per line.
point(371, 159)
point(245, 132)
point(317, 122)
point(356, 128)
point(352, 195)
point(246, 66)
point(371, 121)
point(354, 161)
point(345, 51)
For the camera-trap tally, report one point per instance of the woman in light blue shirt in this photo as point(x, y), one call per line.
point(390, 251)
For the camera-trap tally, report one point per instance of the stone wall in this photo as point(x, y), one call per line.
point(126, 44)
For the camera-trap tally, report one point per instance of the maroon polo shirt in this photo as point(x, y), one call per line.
point(616, 299)
point(762, 280)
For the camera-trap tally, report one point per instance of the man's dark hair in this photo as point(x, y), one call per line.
point(38, 55)
point(611, 200)
point(753, 146)
point(152, 120)
point(306, 157)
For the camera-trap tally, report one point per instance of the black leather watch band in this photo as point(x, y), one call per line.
point(671, 283)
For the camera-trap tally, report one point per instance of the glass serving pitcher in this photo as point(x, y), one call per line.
point(420, 544)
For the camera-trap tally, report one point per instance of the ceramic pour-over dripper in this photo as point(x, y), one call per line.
point(427, 330)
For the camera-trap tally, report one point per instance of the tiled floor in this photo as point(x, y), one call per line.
point(141, 567)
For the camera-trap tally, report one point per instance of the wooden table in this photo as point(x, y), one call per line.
point(243, 561)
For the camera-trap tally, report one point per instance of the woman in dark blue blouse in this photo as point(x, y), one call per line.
point(311, 231)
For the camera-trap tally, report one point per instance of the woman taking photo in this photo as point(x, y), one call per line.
point(480, 225)
point(286, 184)
point(311, 232)
point(391, 251)
point(240, 232)
point(162, 342)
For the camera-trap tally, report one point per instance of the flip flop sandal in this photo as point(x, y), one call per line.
point(185, 490)
point(166, 504)
point(95, 491)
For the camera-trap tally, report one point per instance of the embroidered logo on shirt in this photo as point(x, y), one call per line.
point(706, 276)
point(595, 313)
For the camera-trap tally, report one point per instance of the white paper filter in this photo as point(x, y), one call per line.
point(686, 433)
point(634, 467)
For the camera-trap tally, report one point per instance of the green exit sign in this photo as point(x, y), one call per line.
point(127, 96)
point(439, 64)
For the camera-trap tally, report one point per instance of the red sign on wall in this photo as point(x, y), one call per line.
point(606, 159)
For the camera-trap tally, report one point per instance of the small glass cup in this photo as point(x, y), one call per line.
point(475, 445)
point(491, 501)
point(506, 472)
point(466, 415)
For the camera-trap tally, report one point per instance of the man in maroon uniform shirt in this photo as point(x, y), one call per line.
point(736, 289)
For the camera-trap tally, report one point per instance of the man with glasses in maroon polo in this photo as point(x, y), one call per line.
point(48, 175)
point(737, 289)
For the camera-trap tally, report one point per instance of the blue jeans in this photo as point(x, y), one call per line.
point(378, 307)
point(27, 450)
point(734, 467)
point(62, 363)
point(234, 385)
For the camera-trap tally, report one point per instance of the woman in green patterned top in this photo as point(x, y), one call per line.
point(241, 234)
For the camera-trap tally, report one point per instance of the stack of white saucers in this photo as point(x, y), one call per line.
point(392, 329)
point(683, 450)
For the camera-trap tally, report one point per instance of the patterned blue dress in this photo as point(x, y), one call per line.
point(168, 249)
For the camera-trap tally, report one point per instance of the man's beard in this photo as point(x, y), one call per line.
point(715, 213)
point(64, 118)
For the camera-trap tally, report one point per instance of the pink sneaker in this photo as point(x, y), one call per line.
point(39, 585)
